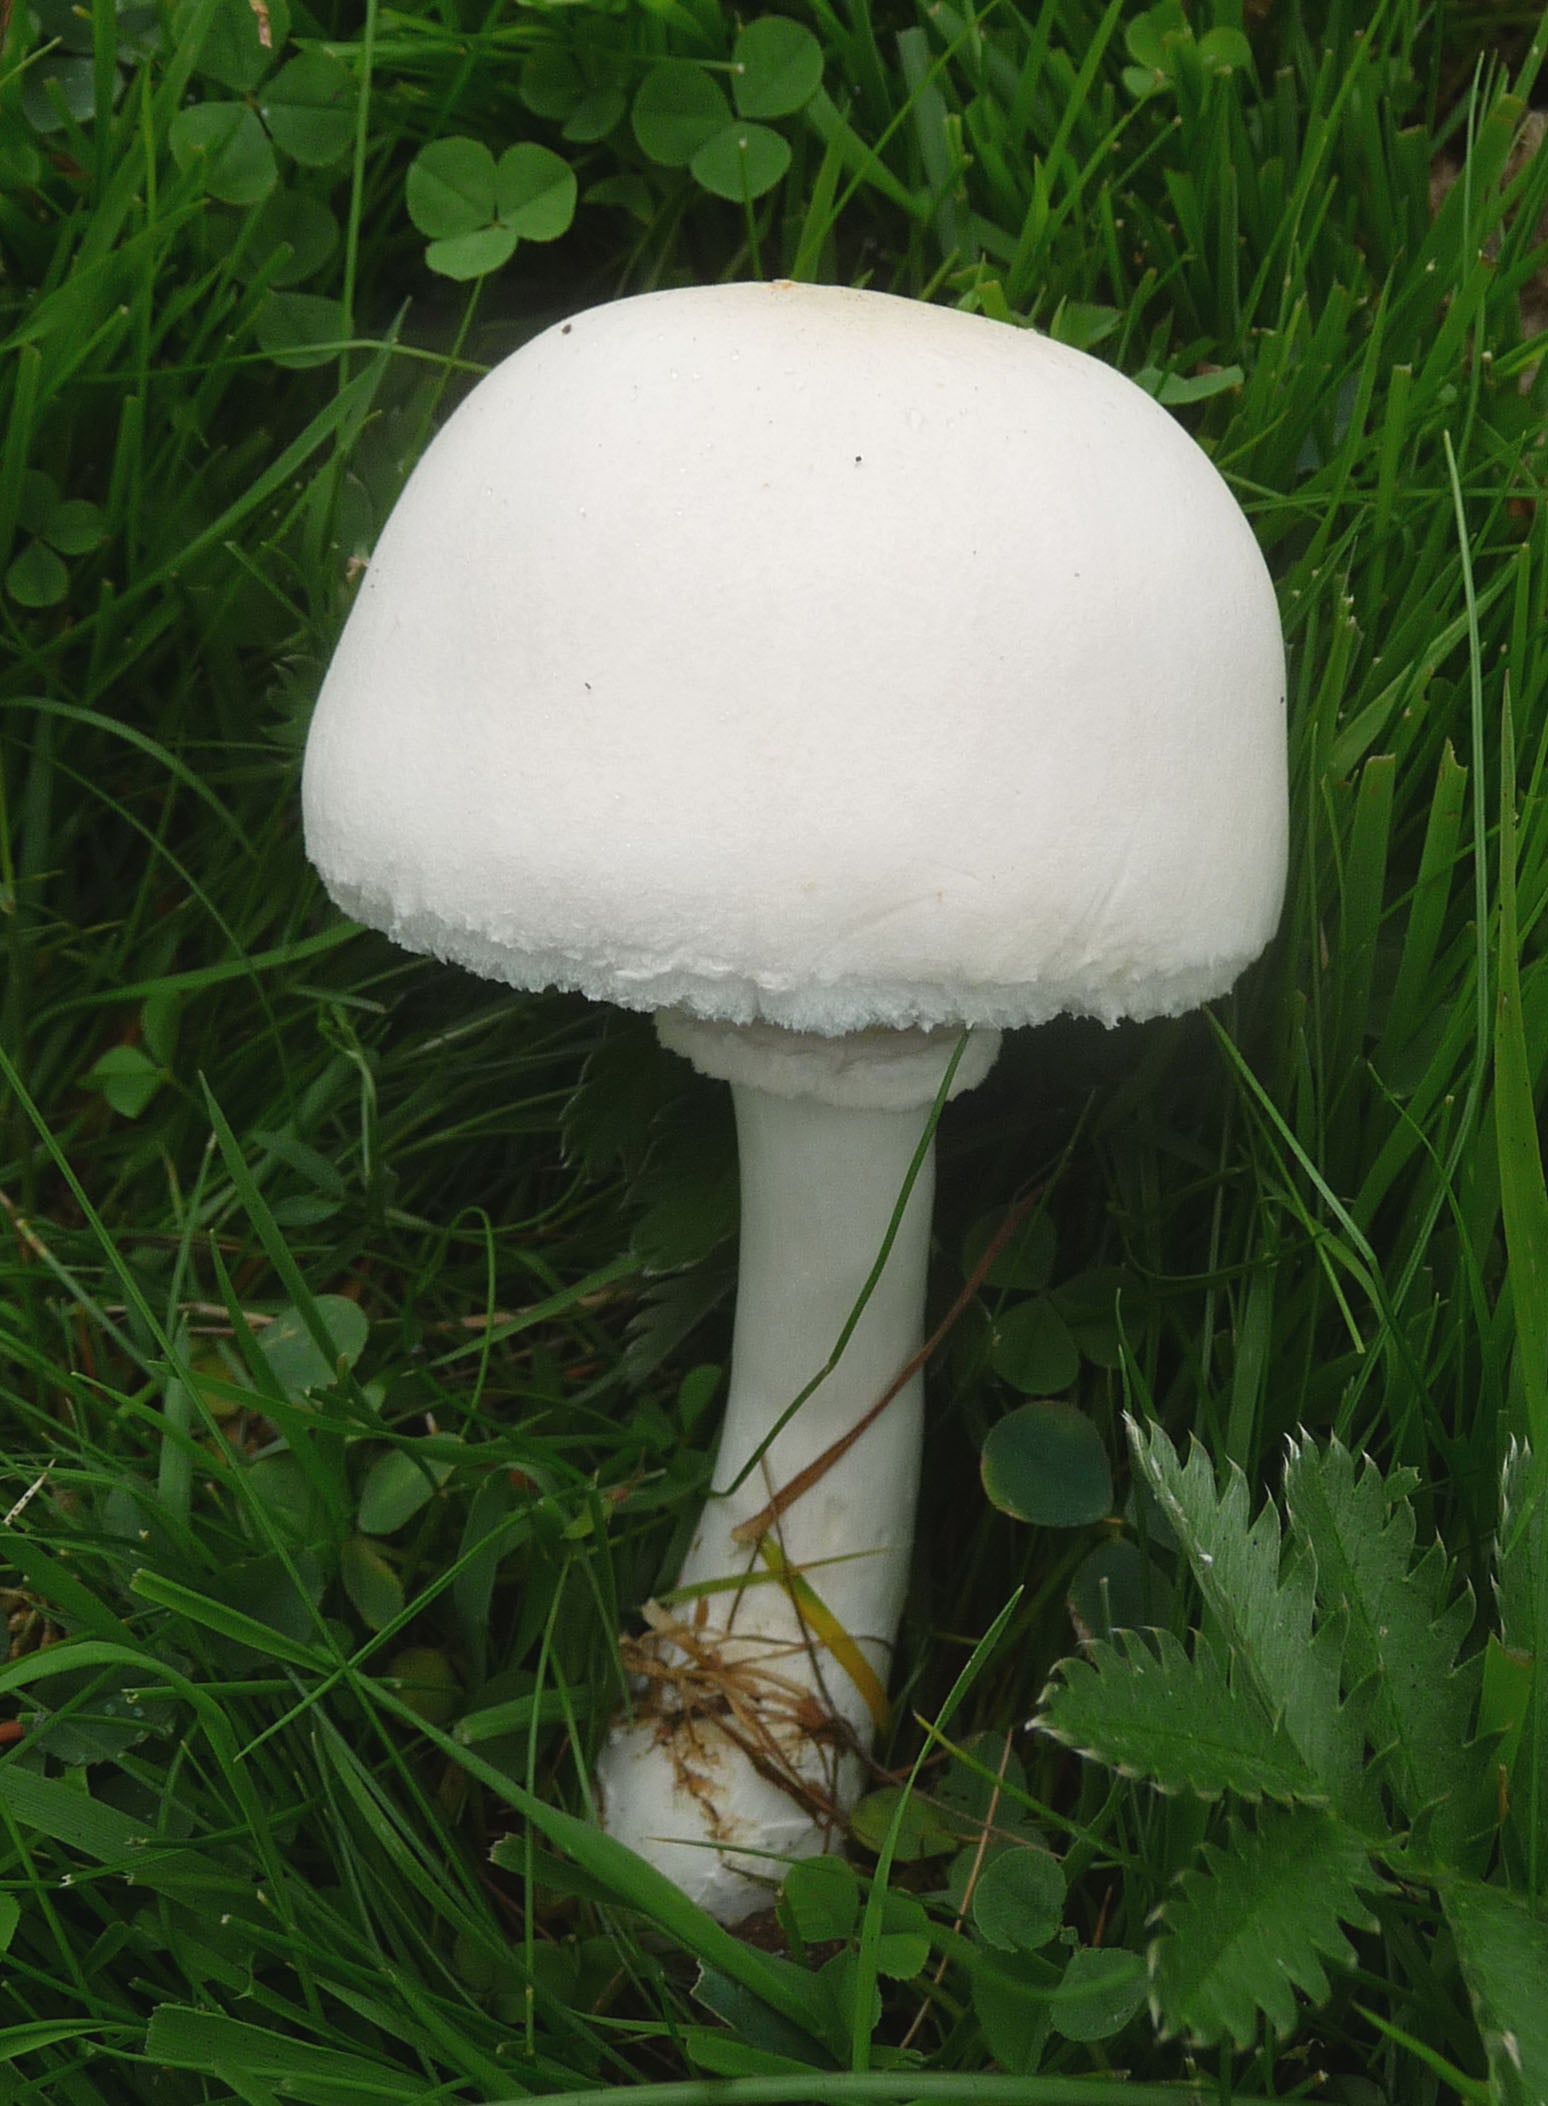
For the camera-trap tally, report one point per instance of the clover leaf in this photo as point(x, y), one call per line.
point(58, 526)
point(475, 209)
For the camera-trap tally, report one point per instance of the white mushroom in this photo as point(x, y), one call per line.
point(831, 674)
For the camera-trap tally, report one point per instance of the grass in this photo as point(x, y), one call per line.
point(360, 1324)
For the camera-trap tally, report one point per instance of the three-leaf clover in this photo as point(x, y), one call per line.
point(58, 526)
point(475, 209)
point(1161, 42)
point(306, 109)
point(682, 119)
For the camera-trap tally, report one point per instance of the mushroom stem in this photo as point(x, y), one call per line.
point(760, 1688)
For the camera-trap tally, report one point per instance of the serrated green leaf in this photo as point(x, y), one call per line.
point(1401, 1637)
point(1504, 1954)
point(1521, 1588)
point(534, 192)
point(1263, 1609)
point(677, 109)
point(1258, 1923)
point(230, 149)
point(741, 162)
point(1147, 1709)
point(687, 1190)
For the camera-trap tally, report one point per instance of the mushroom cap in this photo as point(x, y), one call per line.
point(793, 653)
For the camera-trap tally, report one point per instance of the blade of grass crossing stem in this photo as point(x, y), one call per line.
point(910, 1179)
point(1523, 1194)
point(816, 1616)
point(876, 1901)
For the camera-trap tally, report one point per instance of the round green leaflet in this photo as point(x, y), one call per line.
point(296, 1361)
point(1102, 1989)
point(300, 329)
point(396, 1486)
point(228, 145)
point(1026, 1258)
point(451, 188)
point(776, 68)
point(1032, 1349)
point(37, 578)
point(551, 83)
point(472, 255)
point(678, 109)
point(242, 42)
point(741, 162)
point(1116, 1589)
point(293, 220)
point(1046, 1464)
point(371, 1582)
point(309, 107)
point(597, 113)
point(535, 192)
point(1018, 1903)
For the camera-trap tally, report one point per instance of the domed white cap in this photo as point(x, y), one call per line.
point(788, 652)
